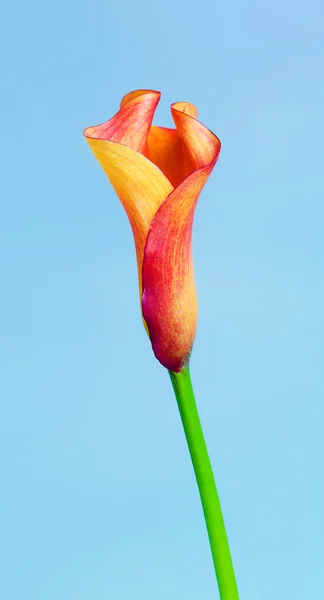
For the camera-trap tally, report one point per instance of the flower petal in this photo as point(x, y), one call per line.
point(131, 124)
point(139, 184)
point(169, 303)
point(165, 148)
point(199, 143)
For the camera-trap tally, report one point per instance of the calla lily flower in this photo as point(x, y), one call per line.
point(158, 174)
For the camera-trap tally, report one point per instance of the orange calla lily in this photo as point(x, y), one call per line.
point(158, 174)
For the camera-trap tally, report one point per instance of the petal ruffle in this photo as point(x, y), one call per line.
point(130, 126)
point(169, 303)
point(199, 144)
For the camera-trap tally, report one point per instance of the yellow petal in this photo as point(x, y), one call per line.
point(140, 185)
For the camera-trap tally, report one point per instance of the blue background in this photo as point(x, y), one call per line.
point(98, 499)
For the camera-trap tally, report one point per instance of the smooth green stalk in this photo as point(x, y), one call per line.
point(208, 493)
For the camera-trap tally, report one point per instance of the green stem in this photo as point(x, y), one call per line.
point(208, 493)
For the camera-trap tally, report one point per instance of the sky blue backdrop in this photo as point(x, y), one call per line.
point(98, 499)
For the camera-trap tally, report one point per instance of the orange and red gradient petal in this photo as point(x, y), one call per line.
point(199, 143)
point(130, 126)
point(139, 184)
point(169, 302)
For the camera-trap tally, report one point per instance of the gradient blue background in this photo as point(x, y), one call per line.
point(98, 499)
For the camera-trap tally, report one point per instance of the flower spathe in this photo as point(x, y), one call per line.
point(158, 174)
